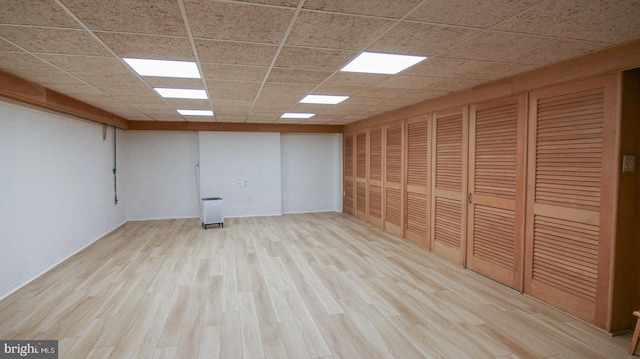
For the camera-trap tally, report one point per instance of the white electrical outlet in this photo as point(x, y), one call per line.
point(628, 163)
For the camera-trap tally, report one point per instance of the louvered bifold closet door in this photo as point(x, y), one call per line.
point(349, 179)
point(416, 222)
point(495, 230)
point(375, 176)
point(393, 178)
point(449, 184)
point(572, 181)
point(361, 175)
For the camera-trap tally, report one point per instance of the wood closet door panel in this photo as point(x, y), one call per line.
point(495, 230)
point(571, 195)
point(416, 223)
point(361, 175)
point(348, 201)
point(449, 185)
point(375, 177)
point(394, 178)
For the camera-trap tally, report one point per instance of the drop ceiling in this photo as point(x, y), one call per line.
point(259, 58)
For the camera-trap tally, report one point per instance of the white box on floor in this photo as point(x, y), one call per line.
point(212, 212)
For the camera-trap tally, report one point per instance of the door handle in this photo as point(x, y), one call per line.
point(469, 197)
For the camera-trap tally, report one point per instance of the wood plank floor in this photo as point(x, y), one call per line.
point(295, 286)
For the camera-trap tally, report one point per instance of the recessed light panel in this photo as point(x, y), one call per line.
point(378, 63)
point(182, 93)
point(164, 68)
point(297, 115)
point(324, 99)
point(196, 113)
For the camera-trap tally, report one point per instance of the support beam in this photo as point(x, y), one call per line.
point(232, 126)
point(30, 93)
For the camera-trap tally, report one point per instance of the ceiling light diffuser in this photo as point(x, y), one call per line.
point(196, 112)
point(378, 63)
point(164, 68)
point(182, 93)
point(297, 115)
point(324, 99)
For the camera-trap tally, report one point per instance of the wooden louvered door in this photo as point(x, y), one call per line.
point(375, 176)
point(393, 178)
point(495, 229)
point(449, 184)
point(361, 175)
point(416, 228)
point(349, 179)
point(572, 181)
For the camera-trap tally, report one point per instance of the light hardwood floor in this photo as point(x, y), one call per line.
point(295, 286)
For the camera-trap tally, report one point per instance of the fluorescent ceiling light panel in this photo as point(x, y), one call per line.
point(164, 68)
point(196, 112)
point(182, 93)
point(297, 115)
point(378, 63)
point(324, 99)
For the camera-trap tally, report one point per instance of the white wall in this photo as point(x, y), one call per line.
point(57, 190)
point(161, 178)
point(244, 169)
point(311, 173)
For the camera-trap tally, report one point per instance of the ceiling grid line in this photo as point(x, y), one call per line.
point(51, 64)
point(275, 57)
point(96, 38)
point(185, 18)
point(397, 21)
point(258, 58)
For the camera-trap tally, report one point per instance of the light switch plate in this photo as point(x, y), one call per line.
point(628, 163)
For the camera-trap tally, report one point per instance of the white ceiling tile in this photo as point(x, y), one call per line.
point(354, 79)
point(216, 86)
point(414, 38)
point(35, 12)
point(53, 41)
point(237, 21)
point(296, 76)
point(474, 13)
point(609, 21)
point(443, 67)
point(172, 82)
point(408, 82)
point(336, 31)
point(160, 17)
point(494, 45)
point(7, 46)
point(148, 46)
point(383, 93)
point(235, 53)
point(88, 64)
point(556, 51)
point(234, 72)
point(23, 61)
point(277, 89)
point(497, 70)
point(384, 8)
point(313, 58)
